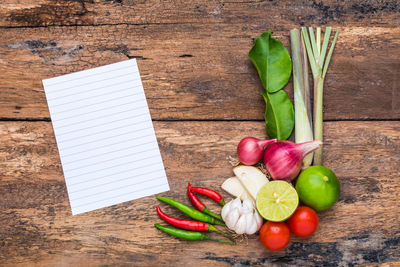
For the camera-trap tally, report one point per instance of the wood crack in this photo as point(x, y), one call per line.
point(100, 25)
point(204, 120)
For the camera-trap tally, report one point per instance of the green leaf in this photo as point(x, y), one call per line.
point(279, 115)
point(272, 61)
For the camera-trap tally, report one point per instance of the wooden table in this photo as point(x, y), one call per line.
point(204, 96)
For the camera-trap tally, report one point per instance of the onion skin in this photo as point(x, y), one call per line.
point(283, 159)
point(250, 149)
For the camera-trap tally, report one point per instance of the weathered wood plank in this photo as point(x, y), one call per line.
point(197, 71)
point(48, 12)
point(37, 226)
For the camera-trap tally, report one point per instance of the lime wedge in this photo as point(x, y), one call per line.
point(277, 201)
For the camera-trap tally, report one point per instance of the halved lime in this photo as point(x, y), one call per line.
point(277, 201)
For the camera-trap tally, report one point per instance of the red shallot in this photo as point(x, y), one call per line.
point(250, 149)
point(283, 159)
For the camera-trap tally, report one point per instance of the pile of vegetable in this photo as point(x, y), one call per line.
point(297, 191)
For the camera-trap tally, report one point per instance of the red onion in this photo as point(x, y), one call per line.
point(283, 159)
point(250, 149)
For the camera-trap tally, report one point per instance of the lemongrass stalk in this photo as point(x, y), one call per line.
point(328, 57)
point(319, 40)
point(318, 116)
point(313, 44)
point(319, 66)
point(302, 105)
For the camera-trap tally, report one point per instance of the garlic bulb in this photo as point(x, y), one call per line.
point(242, 218)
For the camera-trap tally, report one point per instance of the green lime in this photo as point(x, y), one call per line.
point(318, 187)
point(277, 201)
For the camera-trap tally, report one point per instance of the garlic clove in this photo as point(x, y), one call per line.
point(249, 220)
point(225, 210)
point(236, 204)
point(232, 218)
point(251, 224)
point(258, 219)
point(241, 225)
point(248, 206)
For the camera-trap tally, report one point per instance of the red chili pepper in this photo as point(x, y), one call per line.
point(209, 193)
point(194, 199)
point(199, 205)
point(184, 224)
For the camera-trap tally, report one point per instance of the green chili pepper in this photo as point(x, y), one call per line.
point(189, 235)
point(195, 214)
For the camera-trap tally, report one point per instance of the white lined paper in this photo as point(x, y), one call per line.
point(105, 136)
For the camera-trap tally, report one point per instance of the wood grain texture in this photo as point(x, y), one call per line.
point(193, 61)
point(199, 70)
point(214, 78)
point(38, 229)
point(96, 12)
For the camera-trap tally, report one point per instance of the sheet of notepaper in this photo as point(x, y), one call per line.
point(105, 136)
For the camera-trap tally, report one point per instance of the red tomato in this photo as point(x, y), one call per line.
point(275, 235)
point(303, 222)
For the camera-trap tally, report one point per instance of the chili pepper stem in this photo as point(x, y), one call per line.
point(222, 202)
point(207, 211)
point(188, 235)
point(225, 234)
point(219, 223)
point(213, 228)
point(221, 241)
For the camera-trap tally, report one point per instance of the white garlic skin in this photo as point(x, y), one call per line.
point(236, 204)
point(251, 224)
point(232, 218)
point(247, 206)
point(225, 210)
point(240, 227)
point(258, 219)
point(242, 218)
